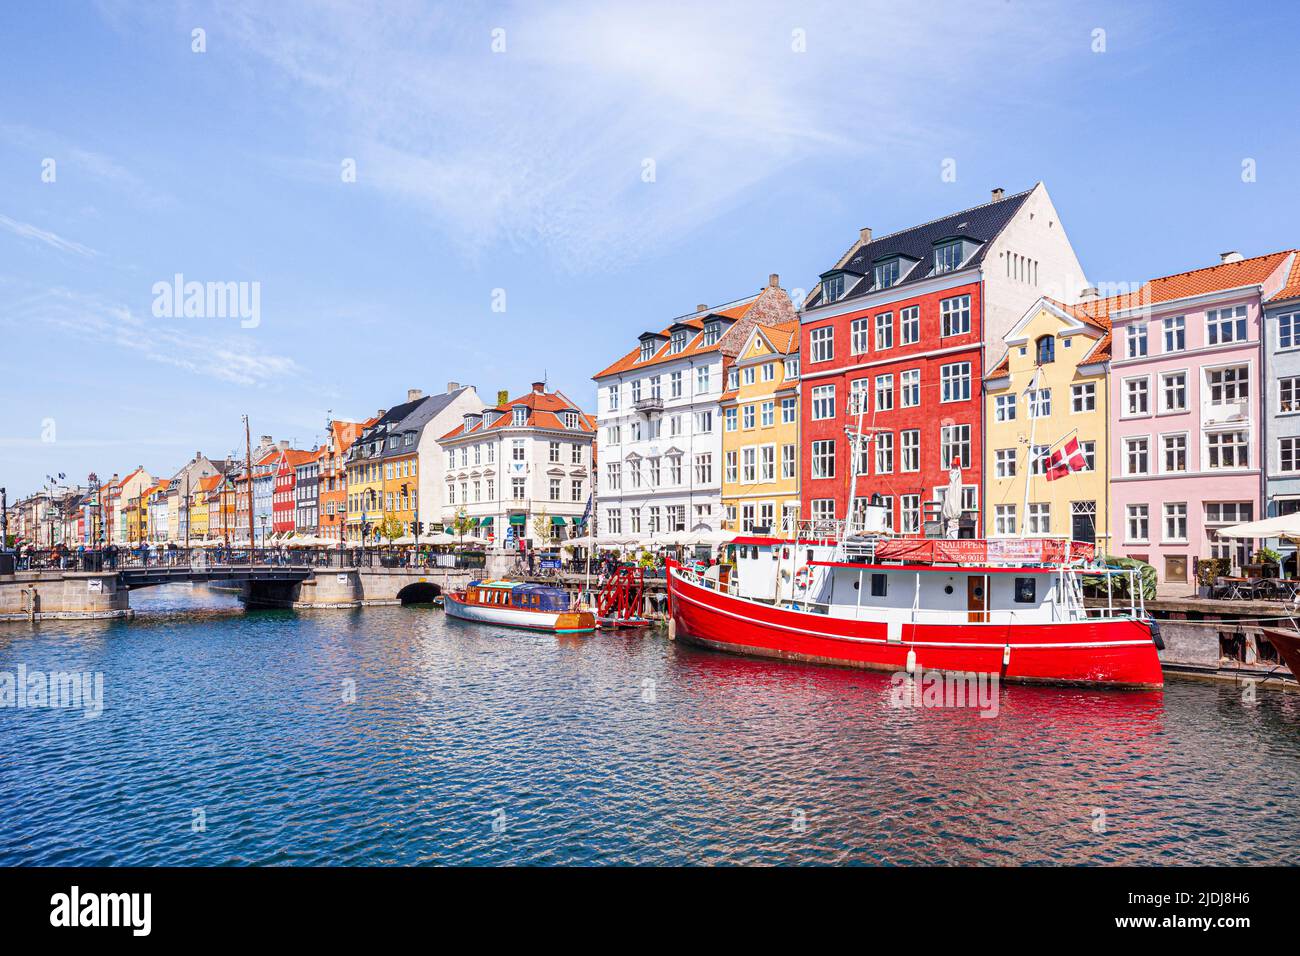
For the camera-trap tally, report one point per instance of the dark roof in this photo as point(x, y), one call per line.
point(981, 223)
point(421, 412)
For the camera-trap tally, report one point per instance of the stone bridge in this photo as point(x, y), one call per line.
point(60, 594)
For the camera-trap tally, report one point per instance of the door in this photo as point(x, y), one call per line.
point(1083, 521)
point(977, 599)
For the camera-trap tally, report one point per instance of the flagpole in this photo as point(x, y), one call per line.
point(1032, 406)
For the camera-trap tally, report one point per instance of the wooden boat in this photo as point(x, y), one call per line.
point(1287, 643)
point(1011, 608)
point(532, 607)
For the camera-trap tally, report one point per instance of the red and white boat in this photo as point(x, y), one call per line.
point(531, 607)
point(1010, 607)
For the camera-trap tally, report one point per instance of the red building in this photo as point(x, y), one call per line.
point(893, 346)
point(283, 504)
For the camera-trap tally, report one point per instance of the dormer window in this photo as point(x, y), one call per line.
point(887, 273)
point(678, 341)
point(833, 288)
point(948, 257)
point(520, 415)
point(570, 419)
point(647, 350)
point(712, 333)
point(471, 422)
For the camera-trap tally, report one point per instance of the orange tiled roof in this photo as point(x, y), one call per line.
point(546, 410)
point(1291, 288)
point(208, 483)
point(1226, 275)
point(735, 310)
point(784, 337)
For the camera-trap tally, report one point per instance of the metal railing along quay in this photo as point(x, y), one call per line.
point(119, 559)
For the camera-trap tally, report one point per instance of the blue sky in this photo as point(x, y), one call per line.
point(522, 171)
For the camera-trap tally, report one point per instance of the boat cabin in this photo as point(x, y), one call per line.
point(512, 594)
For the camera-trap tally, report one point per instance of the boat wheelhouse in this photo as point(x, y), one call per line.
point(534, 607)
point(1014, 608)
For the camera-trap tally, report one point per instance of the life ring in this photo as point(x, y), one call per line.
point(801, 579)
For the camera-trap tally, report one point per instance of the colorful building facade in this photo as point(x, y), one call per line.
point(893, 349)
point(1048, 387)
point(760, 432)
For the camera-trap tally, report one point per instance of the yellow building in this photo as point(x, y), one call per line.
point(1049, 387)
point(760, 432)
point(401, 485)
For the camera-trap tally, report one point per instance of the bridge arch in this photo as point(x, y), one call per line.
point(420, 592)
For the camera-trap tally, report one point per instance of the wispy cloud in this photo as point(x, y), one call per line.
point(178, 343)
point(54, 240)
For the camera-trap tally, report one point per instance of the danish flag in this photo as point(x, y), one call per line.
point(1065, 460)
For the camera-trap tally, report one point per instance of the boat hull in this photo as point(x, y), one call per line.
point(1287, 644)
point(1113, 653)
point(556, 622)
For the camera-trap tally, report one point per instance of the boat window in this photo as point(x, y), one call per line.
point(879, 585)
point(1026, 591)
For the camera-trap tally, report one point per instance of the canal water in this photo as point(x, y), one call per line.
point(396, 736)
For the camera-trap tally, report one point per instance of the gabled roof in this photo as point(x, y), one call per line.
point(1095, 313)
point(424, 410)
point(209, 482)
point(979, 223)
point(545, 410)
point(731, 312)
point(783, 338)
point(1291, 287)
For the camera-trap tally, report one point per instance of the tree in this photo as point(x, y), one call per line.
point(390, 528)
point(542, 526)
point(461, 524)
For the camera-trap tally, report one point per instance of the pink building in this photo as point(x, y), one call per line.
point(1185, 393)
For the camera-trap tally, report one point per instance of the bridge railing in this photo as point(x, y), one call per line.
point(198, 559)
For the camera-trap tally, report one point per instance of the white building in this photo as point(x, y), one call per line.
point(522, 469)
point(660, 433)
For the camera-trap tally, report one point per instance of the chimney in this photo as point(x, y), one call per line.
point(284, 444)
point(414, 394)
point(1233, 256)
point(265, 440)
point(1089, 294)
point(774, 281)
point(382, 412)
point(998, 192)
point(865, 234)
point(702, 307)
point(539, 388)
point(452, 386)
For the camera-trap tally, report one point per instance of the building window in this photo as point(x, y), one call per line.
point(1135, 337)
point(792, 367)
point(886, 274)
point(859, 336)
point(1004, 408)
point(1139, 522)
point(1289, 454)
point(822, 344)
point(789, 459)
point(647, 350)
point(858, 403)
point(911, 512)
point(1137, 455)
point(1175, 521)
point(1175, 447)
point(731, 471)
point(767, 463)
point(1083, 397)
point(678, 341)
point(884, 452)
point(1173, 392)
point(885, 331)
point(769, 372)
point(1288, 395)
point(553, 451)
point(1228, 449)
point(1089, 449)
point(823, 509)
point(1045, 349)
point(1039, 518)
point(1004, 519)
point(702, 380)
point(1175, 333)
point(704, 469)
point(954, 445)
point(823, 459)
point(884, 393)
point(748, 375)
point(555, 489)
point(911, 446)
point(1228, 386)
point(1225, 325)
point(954, 316)
point(1288, 330)
point(1136, 396)
point(614, 475)
point(947, 257)
point(833, 287)
point(674, 385)
point(1040, 402)
point(747, 417)
point(1005, 463)
point(729, 419)
point(823, 402)
point(789, 413)
point(909, 385)
point(954, 381)
point(909, 325)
